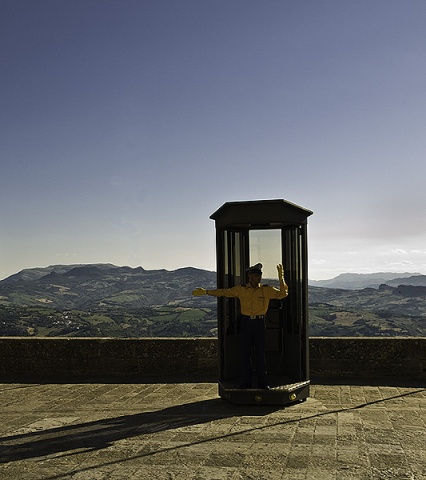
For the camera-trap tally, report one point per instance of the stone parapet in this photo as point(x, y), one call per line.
point(107, 357)
point(403, 357)
point(88, 358)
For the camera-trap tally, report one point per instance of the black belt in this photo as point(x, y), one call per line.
point(255, 317)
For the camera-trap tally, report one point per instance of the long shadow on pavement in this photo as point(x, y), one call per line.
point(102, 433)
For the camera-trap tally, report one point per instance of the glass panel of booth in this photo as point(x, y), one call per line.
point(265, 248)
point(232, 258)
point(232, 243)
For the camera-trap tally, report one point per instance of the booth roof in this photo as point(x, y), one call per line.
point(260, 213)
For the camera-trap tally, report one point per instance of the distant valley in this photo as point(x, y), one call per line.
point(107, 300)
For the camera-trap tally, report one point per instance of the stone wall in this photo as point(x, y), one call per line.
point(26, 358)
point(89, 358)
point(403, 357)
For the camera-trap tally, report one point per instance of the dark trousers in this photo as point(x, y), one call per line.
point(253, 335)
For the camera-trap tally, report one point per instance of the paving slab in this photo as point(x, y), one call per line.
point(165, 430)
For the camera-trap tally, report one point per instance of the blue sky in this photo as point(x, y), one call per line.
point(125, 124)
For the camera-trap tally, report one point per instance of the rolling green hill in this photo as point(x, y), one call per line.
point(106, 300)
point(386, 311)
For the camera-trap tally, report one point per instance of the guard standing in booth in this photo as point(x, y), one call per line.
point(254, 301)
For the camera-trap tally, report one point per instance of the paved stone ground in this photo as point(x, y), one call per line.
point(184, 431)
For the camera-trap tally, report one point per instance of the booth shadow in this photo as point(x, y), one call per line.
point(100, 434)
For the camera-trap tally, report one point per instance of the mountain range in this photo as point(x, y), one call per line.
point(99, 285)
point(354, 281)
point(108, 300)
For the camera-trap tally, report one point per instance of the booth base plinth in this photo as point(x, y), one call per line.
point(277, 394)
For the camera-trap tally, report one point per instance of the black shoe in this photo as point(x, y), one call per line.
point(245, 385)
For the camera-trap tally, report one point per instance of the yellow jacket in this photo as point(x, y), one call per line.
point(253, 301)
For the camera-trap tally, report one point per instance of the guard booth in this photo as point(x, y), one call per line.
point(269, 232)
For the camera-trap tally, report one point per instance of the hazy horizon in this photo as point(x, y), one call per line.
point(210, 270)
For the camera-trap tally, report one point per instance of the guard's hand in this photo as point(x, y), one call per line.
point(280, 270)
point(198, 292)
